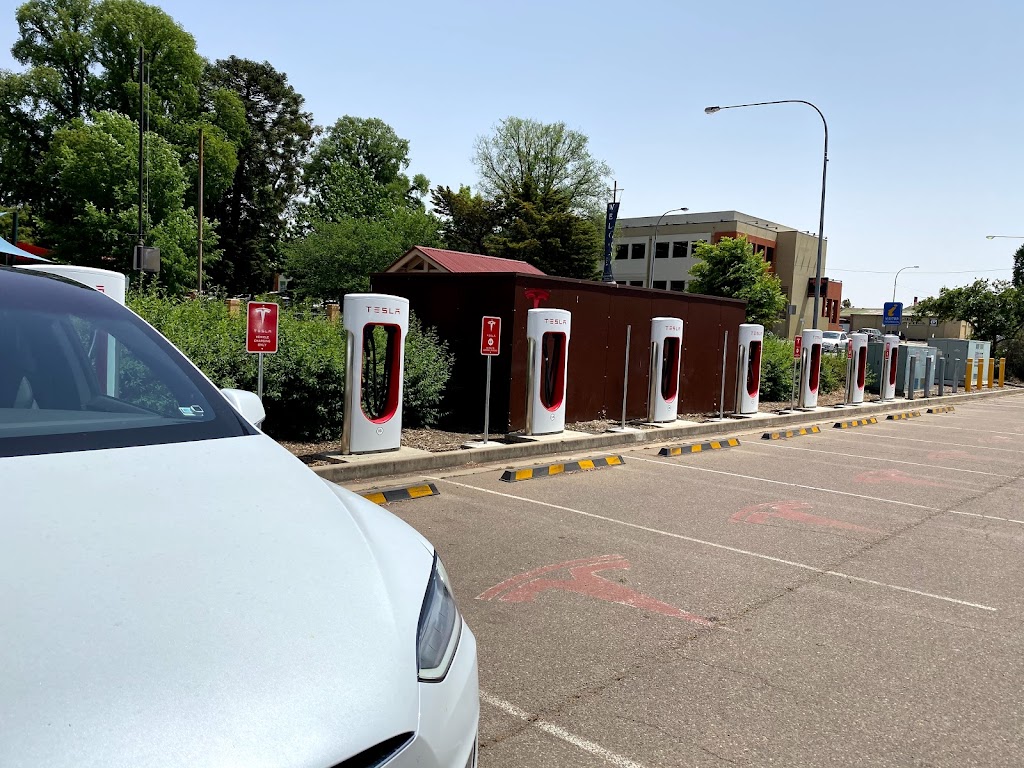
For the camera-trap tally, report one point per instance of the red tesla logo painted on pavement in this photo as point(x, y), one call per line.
point(583, 580)
point(994, 439)
point(794, 512)
point(879, 476)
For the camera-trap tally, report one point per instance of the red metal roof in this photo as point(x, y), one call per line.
point(456, 261)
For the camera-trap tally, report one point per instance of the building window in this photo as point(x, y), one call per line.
point(660, 284)
point(622, 251)
point(661, 250)
point(638, 251)
point(637, 283)
point(679, 250)
point(769, 255)
point(677, 285)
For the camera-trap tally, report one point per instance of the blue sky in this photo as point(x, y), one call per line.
point(923, 100)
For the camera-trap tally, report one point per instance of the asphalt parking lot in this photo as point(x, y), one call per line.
point(846, 598)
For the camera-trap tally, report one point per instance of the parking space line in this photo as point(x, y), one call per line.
point(791, 485)
point(714, 545)
point(988, 517)
point(559, 733)
point(933, 425)
point(940, 443)
point(886, 460)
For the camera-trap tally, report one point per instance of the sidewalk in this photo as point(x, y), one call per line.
point(393, 463)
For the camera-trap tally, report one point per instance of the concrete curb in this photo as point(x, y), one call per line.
point(714, 445)
point(547, 470)
point(903, 415)
point(384, 467)
point(813, 430)
point(856, 423)
point(402, 493)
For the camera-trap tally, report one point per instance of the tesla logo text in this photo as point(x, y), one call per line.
point(384, 310)
point(555, 321)
point(583, 580)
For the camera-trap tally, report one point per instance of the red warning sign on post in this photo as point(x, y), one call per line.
point(490, 336)
point(849, 350)
point(798, 342)
point(261, 327)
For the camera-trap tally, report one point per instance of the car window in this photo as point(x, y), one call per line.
point(80, 372)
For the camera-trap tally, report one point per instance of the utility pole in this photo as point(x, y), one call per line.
point(142, 105)
point(200, 208)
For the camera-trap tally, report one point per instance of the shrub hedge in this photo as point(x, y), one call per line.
point(304, 383)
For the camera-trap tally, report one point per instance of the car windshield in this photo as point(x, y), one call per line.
point(80, 372)
point(831, 334)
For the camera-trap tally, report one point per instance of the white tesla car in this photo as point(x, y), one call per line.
point(178, 590)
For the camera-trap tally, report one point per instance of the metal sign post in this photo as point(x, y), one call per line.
point(721, 397)
point(625, 377)
point(261, 325)
point(490, 346)
point(797, 343)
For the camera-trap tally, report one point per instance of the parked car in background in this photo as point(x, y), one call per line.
point(834, 341)
point(180, 590)
point(873, 334)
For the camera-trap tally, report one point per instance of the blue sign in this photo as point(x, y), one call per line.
point(892, 313)
point(609, 235)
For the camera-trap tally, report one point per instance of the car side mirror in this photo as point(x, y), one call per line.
point(248, 405)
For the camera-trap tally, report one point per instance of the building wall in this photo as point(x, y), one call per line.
point(791, 255)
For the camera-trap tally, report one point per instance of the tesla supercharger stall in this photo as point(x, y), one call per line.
point(859, 367)
point(810, 368)
point(666, 358)
point(375, 326)
point(547, 335)
point(102, 346)
point(890, 365)
point(748, 369)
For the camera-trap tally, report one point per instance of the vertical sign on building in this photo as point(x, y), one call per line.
point(610, 218)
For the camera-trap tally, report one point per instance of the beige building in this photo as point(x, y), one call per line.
point(913, 328)
point(790, 254)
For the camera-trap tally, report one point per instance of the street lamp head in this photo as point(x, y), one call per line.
point(711, 110)
point(990, 237)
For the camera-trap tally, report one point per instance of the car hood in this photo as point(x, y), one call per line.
point(211, 603)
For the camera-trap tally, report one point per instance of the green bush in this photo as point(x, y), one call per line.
point(776, 369)
point(833, 372)
point(304, 383)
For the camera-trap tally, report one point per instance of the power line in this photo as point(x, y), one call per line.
point(947, 271)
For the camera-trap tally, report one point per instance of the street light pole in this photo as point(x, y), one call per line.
point(1008, 237)
point(653, 243)
point(824, 173)
point(898, 277)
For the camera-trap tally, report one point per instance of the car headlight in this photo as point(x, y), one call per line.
point(439, 628)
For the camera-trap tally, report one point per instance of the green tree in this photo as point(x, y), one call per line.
point(995, 309)
point(357, 171)
point(546, 233)
point(92, 214)
point(58, 36)
point(527, 158)
point(730, 268)
point(467, 220)
point(252, 214)
point(173, 67)
point(338, 257)
point(1018, 268)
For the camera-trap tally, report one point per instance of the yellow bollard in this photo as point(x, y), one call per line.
point(1002, 371)
point(968, 374)
point(981, 372)
point(991, 372)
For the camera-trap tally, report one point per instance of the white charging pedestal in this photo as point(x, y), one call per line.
point(748, 369)
point(810, 368)
point(890, 365)
point(666, 359)
point(858, 367)
point(547, 334)
point(375, 326)
point(114, 284)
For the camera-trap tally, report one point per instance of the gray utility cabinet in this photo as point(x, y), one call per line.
point(876, 352)
point(957, 352)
